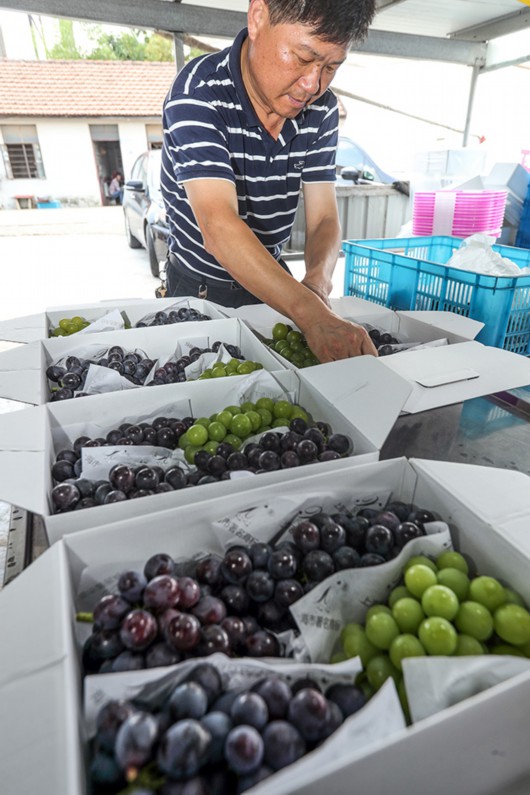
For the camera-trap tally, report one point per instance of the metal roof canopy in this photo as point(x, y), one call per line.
point(467, 32)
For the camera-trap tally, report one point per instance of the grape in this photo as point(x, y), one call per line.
point(377, 609)
point(121, 477)
point(218, 724)
point(259, 554)
point(512, 624)
point(287, 592)
point(65, 496)
point(176, 477)
point(349, 698)
point(183, 632)
point(190, 592)
point(209, 610)
point(379, 540)
point(317, 565)
point(438, 600)
point(249, 709)
point(62, 470)
point(408, 614)
point(418, 578)
point(379, 669)
point(282, 564)
point(183, 749)
point(161, 592)
point(235, 629)
point(466, 645)
point(371, 559)
point(134, 741)
point(423, 559)
point(451, 559)
point(128, 661)
point(308, 712)
point(403, 646)
point(188, 700)
point(213, 639)
point(475, 620)
point(437, 636)
point(277, 695)
point(346, 558)
point(381, 629)
point(244, 749)
point(104, 771)
point(487, 591)
point(209, 678)
point(456, 580)
point(340, 443)
point(513, 598)
point(105, 644)
point(109, 719)
point(208, 570)
point(236, 566)
point(158, 564)
point(260, 586)
point(399, 592)
point(283, 744)
point(356, 643)
point(406, 532)
point(138, 630)
point(262, 644)
point(306, 536)
point(160, 654)
point(109, 612)
point(332, 536)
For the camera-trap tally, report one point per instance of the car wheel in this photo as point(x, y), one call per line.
point(151, 251)
point(131, 240)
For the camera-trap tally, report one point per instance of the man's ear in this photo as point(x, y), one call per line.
point(257, 17)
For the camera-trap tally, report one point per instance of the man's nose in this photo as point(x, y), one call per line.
point(310, 80)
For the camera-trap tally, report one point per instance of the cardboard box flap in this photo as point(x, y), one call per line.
point(38, 682)
point(20, 373)
point(349, 306)
point(22, 450)
point(447, 321)
point(24, 329)
point(437, 380)
point(497, 495)
point(355, 387)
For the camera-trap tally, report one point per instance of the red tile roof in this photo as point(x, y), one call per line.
point(84, 88)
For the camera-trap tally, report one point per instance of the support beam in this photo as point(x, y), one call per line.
point(511, 23)
point(470, 101)
point(405, 45)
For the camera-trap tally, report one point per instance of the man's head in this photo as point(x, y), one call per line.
point(294, 49)
point(337, 21)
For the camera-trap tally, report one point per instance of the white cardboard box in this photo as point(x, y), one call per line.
point(23, 369)
point(36, 327)
point(30, 439)
point(478, 746)
point(438, 376)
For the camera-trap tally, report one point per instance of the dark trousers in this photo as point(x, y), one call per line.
point(183, 282)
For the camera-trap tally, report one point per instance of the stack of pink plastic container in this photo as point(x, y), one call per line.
point(460, 213)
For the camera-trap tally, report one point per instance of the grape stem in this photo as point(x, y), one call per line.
point(87, 618)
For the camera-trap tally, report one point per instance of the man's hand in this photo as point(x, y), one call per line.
point(320, 289)
point(335, 338)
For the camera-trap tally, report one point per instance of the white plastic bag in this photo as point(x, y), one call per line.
point(476, 254)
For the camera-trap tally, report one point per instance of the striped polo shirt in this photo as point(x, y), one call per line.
point(211, 131)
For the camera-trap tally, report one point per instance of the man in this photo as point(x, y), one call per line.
point(244, 130)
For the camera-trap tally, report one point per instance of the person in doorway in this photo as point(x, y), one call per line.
point(116, 188)
point(245, 130)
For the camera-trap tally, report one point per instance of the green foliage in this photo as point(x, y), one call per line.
point(66, 49)
point(132, 45)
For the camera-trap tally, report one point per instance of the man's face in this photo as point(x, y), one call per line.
point(288, 66)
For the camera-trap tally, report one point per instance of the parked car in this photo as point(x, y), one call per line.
point(143, 209)
point(355, 164)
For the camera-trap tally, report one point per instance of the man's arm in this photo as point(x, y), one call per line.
point(228, 239)
point(323, 237)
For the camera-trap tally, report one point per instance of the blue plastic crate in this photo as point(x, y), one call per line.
point(410, 273)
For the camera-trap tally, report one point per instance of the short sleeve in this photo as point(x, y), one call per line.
point(322, 150)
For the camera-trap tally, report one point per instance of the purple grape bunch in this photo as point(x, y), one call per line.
point(333, 542)
point(163, 318)
point(203, 738)
point(160, 618)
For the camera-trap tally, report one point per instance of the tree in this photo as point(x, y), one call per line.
point(131, 45)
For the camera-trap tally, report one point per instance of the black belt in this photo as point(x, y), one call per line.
point(228, 284)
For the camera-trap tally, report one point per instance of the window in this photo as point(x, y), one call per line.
point(21, 152)
point(154, 136)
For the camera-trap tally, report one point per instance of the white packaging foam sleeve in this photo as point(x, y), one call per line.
point(105, 379)
point(436, 683)
point(345, 597)
point(380, 718)
point(112, 321)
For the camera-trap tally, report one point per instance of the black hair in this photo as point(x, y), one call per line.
point(337, 21)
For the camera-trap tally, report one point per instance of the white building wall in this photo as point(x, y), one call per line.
point(69, 161)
